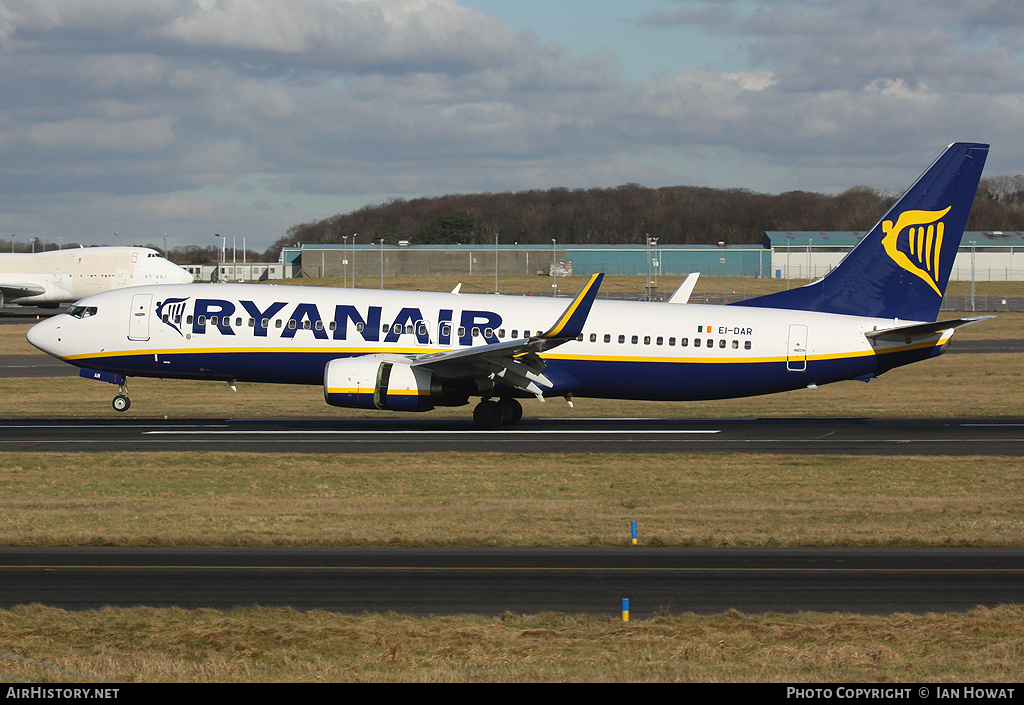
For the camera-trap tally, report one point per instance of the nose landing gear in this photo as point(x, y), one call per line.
point(121, 401)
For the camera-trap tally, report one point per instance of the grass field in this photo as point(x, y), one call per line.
point(193, 499)
point(262, 645)
point(504, 499)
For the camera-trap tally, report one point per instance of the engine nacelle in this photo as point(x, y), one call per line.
point(376, 382)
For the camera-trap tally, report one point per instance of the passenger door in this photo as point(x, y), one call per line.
point(796, 355)
point(138, 323)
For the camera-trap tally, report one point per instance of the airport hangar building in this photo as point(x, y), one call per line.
point(983, 256)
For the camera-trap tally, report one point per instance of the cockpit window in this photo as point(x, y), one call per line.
point(77, 311)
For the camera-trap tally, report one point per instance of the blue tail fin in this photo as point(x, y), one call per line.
point(900, 269)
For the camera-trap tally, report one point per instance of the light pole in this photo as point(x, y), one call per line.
point(973, 251)
point(651, 286)
point(554, 282)
point(344, 259)
point(382, 263)
point(220, 260)
point(810, 276)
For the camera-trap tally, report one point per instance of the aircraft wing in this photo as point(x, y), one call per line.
point(516, 362)
point(917, 331)
point(19, 290)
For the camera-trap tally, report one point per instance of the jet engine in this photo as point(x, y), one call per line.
point(375, 382)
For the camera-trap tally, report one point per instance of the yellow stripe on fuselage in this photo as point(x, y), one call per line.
point(552, 355)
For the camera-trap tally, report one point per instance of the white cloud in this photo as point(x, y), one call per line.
point(159, 108)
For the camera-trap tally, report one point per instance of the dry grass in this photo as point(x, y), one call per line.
point(274, 645)
point(490, 499)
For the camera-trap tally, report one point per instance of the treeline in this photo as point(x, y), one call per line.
point(627, 214)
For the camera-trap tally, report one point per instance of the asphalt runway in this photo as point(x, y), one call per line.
point(523, 581)
point(985, 436)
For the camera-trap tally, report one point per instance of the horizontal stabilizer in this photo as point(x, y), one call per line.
point(918, 331)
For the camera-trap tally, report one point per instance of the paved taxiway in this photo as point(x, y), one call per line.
point(493, 581)
point(983, 436)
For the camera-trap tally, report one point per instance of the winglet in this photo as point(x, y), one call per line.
point(685, 289)
point(570, 323)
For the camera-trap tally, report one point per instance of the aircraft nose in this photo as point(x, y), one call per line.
point(43, 335)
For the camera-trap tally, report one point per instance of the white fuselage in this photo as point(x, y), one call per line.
point(637, 350)
point(65, 276)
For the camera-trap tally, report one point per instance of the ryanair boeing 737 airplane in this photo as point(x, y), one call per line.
point(413, 351)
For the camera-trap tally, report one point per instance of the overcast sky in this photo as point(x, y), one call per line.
point(244, 117)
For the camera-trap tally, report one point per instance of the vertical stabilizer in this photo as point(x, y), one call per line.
point(900, 269)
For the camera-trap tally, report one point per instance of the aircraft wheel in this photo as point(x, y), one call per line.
point(121, 403)
point(488, 414)
point(511, 411)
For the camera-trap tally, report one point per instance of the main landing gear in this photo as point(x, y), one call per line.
point(121, 401)
point(492, 413)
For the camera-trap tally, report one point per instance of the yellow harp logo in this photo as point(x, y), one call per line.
point(924, 231)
